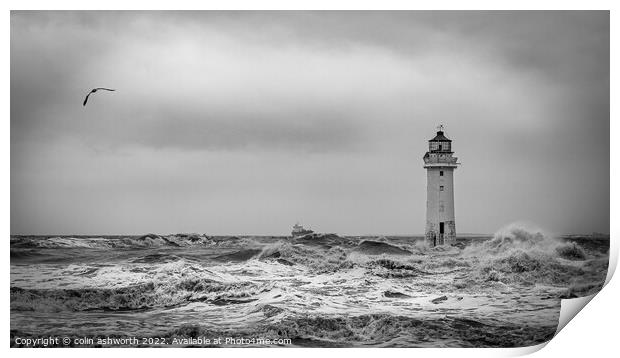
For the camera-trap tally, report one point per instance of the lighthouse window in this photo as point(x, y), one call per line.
point(441, 173)
point(441, 188)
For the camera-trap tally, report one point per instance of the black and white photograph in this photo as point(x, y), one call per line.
point(316, 179)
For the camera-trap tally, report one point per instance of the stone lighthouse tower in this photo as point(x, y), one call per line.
point(440, 164)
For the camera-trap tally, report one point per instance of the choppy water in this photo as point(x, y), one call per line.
point(321, 290)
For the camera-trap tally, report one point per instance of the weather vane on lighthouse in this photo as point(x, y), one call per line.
point(440, 127)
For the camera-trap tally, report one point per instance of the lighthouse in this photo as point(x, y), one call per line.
point(440, 164)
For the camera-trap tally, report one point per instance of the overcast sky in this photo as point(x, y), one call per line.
point(246, 122)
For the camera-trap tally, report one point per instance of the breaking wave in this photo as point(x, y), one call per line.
point(135, 297)
point(137, 242)
point(525, 255)
point(377, 330)
point(369, 247)
point(144, 286)
point(321, 259)
point(238, 256)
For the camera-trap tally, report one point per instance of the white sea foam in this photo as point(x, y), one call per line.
point(335, 290)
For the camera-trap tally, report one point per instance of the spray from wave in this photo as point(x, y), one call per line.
point(527, 255)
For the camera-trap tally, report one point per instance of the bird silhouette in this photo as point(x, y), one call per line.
point(93, 91)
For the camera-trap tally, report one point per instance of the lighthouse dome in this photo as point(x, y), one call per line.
point(440, 137)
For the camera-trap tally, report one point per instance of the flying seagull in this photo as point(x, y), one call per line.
point(93, 91)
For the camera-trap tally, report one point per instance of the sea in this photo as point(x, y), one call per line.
point(320, 290)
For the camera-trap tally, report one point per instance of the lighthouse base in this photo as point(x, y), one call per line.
point(440, 233)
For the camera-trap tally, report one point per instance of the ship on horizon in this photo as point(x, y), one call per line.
point(299, 230)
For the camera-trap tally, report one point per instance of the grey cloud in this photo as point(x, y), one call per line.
point(559, 43)
point(303, 132)
point(341, 102)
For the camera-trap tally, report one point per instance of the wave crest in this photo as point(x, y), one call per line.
point(172, 291)
point(526, 255)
